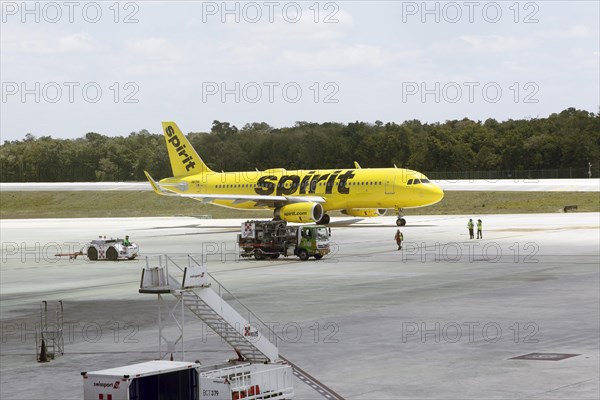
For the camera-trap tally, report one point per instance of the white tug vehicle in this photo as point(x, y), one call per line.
point(110, 249)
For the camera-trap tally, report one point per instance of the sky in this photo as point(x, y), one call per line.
point(71, 67)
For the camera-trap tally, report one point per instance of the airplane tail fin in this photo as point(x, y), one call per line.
point(184, 159)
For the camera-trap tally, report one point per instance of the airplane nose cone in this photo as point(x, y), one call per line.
point(435, 194)
point(439, 193)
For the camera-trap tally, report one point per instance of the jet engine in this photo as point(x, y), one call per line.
point(365, 212)
point(300, 212)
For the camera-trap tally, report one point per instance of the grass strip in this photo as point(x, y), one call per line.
point(98, 204)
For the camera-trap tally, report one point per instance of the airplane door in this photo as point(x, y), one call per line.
point(389, 184)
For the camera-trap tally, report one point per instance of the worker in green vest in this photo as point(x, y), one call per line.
point(470, 225)
point(126, 242)
point(479, 229)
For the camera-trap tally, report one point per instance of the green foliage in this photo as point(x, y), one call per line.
point(570, 138)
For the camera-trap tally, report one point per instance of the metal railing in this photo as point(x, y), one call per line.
point(245, 376)
point(252, 319)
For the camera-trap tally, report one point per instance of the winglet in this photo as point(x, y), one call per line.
point(356, 165)
point(155, 186)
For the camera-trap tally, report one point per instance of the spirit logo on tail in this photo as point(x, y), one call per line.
point(174, 140)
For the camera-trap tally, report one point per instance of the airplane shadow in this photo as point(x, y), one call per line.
point(215, 229)
point(351, 223)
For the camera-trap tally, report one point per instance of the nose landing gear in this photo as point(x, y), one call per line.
point(400, 221)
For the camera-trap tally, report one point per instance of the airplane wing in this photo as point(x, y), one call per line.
point(261, 200)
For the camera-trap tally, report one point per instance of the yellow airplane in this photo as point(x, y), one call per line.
point(296, 196)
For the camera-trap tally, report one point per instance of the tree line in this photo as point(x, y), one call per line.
point(567, 139)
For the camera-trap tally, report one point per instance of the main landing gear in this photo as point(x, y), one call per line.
point(400, 221)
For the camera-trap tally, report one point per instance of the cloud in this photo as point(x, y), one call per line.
point(305, 29)
point(151, 54)
point(494, 43)
point(39, 42)
point(572, 32)
point(349, 56)
point(149, 47)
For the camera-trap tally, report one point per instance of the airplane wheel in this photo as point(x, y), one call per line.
point(303, 254)
point(92, 254)
point(324, 220)
point(112, 254)
point(400, 222)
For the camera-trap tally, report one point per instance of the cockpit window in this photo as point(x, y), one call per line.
point(417, 182)
point(410, 181)
point(424, 180)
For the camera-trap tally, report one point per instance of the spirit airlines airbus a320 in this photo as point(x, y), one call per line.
point(295, 196)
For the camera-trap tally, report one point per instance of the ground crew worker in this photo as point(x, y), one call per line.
point(399, 237)
point(470, 225)
point(126, 242)
point(479, 229)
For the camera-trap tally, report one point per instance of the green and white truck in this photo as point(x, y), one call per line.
point(271, 239)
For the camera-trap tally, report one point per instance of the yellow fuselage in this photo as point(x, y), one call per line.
point(365, 188)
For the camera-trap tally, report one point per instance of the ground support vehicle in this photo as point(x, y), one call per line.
point(178, 380)
point(270, 239)
point(110, 249)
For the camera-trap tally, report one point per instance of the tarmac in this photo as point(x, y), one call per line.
point(443, 318)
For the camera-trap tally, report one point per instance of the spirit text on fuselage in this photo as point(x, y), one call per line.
point(289, 184)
